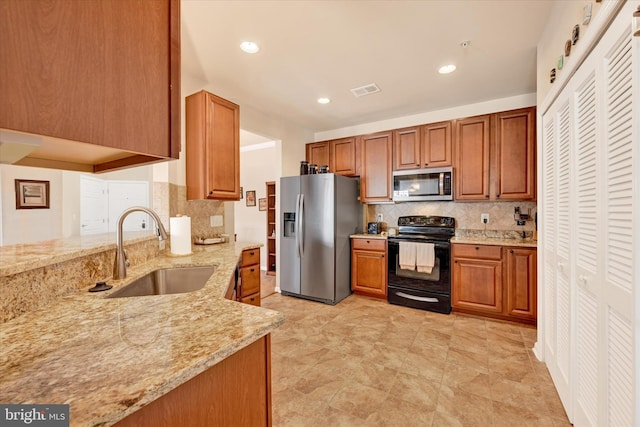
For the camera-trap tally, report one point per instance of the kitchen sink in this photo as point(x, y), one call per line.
point(167, 281)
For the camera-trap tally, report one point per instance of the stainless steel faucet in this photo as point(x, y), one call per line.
point(121, 262)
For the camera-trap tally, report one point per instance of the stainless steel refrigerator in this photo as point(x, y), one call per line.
point(318, 213)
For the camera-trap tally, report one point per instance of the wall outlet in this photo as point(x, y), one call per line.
point(216, 221)
point(379, 218)
point(484, 218)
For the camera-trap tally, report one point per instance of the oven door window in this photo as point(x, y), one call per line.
point(434, 276)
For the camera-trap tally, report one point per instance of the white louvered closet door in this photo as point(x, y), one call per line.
point(590, 254)
point(587, 260)
point(620, 69)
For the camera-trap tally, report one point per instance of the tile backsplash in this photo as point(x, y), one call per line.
point(467, 214)
point(171, 200)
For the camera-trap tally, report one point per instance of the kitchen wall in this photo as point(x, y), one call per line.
point(258, 164)
point(62, 219)
point(491, 106)
point(563, 17)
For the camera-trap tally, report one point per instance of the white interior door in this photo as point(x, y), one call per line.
point(123, 195)
point(93, 206)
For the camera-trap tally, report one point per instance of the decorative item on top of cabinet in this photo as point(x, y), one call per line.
point(369, 267)
point(271, 228)
point(420, 147)
point(495, 156)
point(248, 287)
point(213, 147)
point(106, 95)
point(376, 185)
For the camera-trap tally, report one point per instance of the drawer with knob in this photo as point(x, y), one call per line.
point(477, 251)
point(250, 256)
point(369, 244)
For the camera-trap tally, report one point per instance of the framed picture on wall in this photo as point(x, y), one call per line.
point(32, 194)
point(251, 197)
point(262, 204)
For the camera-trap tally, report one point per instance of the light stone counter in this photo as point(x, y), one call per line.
point(477, 240)
point(107, 358)
point(368, 236)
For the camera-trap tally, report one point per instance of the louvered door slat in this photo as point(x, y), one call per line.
point(587, 342)
point(586, 184)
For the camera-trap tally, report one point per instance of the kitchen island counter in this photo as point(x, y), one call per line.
point(107, 358)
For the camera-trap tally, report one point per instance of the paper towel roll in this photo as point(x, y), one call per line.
point(180, 232)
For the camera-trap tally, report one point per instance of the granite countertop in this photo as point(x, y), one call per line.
point(107, 358)
point(478, 240)
point(368, 236)
point(24, 257)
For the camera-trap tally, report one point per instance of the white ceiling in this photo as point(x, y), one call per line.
point(311, 49)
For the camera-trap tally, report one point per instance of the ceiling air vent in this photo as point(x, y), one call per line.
point(365, 90)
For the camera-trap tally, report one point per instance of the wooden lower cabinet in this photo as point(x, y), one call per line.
point(521, 279)
point(235, 392)
point(369, 267)
point(494, 281)
point(248, 289)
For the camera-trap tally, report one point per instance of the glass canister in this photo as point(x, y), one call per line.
point(323, 169)
point(304, 168)
point(313, 169)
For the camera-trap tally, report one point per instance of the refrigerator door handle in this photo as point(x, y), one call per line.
point(297, 224)
point(301, 225)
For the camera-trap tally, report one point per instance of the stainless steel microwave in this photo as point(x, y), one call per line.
point(423, 184)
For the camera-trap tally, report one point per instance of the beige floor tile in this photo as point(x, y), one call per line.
point(396, 412)
point(364, 362)
point(459, 408)
point(358, 400)
point(416, 390)
point(467, 379)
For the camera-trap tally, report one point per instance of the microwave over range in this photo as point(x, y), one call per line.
point(423, 184)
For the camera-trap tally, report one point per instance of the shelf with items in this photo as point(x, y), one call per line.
point(271, 227)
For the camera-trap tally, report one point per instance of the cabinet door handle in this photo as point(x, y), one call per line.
point(477, 248)
point(418, 164)
point(510, 251)
point(252, 270)
point(455, 261)
point(252, 253)
point(486, 197)
point(368, 241)
point(497, 195)
point(210, 192)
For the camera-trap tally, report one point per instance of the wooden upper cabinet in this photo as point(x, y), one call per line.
point(436, 145)
point(343, 156)
point(472, 147)
point(213, 147)
point(375, 182)
point(515, 150)
point(422, 146)
point(406, 148)
point(102, 76)
point(319, 153)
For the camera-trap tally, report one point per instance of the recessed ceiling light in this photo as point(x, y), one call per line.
point(249, 47)
point(446, 69)
point(323, 100)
